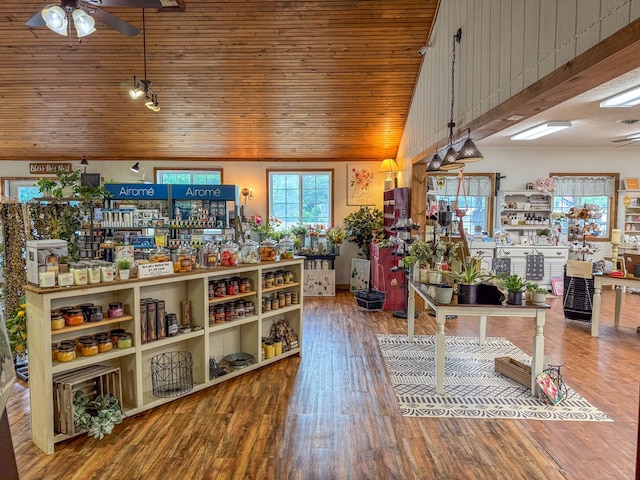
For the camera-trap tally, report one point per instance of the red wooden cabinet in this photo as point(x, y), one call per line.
point(383, 279)
point(396, 206)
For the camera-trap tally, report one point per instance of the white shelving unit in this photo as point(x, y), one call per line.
point(217, 340)
point(524, 212)
point(631, 218)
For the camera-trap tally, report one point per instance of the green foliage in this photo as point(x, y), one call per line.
point(124, 263)
point(97, 417)
point(422, 252)
point(471, 274)
point(46, 186)
point(514, 283)
point(363, 227)
point(17, 328)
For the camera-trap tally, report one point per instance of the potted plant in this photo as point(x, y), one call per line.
point(124, 266)
point(468, 280)
point(335, 236)
point(538, 293)
point(96, 417)
point(299, 231)
point(46, 186)
point(67, 183)
point(515, 285)
point(363, 227)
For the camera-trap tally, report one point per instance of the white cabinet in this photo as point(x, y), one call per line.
point(485, 251)
point(524, 214)
point(209, 340)
point(555, 258)
point(631, 201)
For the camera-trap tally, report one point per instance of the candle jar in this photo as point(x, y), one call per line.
point(89, 347)
point(74, 317)
point(93, 273)
point(65, 279)
point(66, 352)
point(57, 321)
point(105, 344)
point(106, 272)
point(124, 340)
point(116, 310)
point(54, 352)
point(80, 275)
point(114, 334)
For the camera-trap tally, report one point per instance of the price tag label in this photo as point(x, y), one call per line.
point(148, 270)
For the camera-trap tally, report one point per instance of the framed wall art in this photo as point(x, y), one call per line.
point(360, 183)
point(631, 183)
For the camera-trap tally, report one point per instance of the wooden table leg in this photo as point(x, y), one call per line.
point(618, 305)
point(595, 314)
point(537, 359)
point(482, 335)
point(440, 346)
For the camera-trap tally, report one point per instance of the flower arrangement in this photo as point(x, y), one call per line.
point(298, 229)
point(545, 185)
point(315, 230)
point(256, 224)
point(336, 235)
point(558, 216)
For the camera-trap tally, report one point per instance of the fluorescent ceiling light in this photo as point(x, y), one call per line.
point(541, 130)
point(624, 99)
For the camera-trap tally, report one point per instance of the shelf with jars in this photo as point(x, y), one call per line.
point(525, 211)
point(159, 317)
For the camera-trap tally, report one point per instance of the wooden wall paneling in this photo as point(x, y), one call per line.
point(494, 55)
point(546, 55)
point(505, 32)
point(476, 61)
point(517, 47)
point(485, 54)
point(634, 11)
point(565, 32)
point(531, 42)
point(587, 26)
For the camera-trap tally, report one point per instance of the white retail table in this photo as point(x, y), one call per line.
point(537, 312)
point(598, 282)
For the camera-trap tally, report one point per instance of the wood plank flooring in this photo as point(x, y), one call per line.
point(332, 414)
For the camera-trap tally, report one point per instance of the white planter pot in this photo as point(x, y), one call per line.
point(124, 274)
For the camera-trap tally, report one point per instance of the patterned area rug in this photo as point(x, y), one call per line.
point(473, 389)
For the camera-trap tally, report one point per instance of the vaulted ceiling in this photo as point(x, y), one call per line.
point(236, 79)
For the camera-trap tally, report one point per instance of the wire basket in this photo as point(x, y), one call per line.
point(171, 374)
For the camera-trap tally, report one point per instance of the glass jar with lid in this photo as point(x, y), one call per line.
point(159, 254)
point(183, 259)
point(66, 352)
point(89, 347)
point(79, 271)
point(209, 255)
point(229, 254)
point(57, 321)
point(286, 247)
point(250, 252)
point(269, 251)
point(74, 317)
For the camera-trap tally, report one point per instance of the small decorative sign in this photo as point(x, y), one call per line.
point(535, 267)
point(148, 270)
point(48, 168)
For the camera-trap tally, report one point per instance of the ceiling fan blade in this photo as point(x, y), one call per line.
point(125, 3)
point(36, 21)
point(114, 22)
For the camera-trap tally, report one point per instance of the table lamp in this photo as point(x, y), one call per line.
point(389, 166)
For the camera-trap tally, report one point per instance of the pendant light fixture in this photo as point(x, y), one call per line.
point(434, 164)
point(469, 152)
point(449, 160)
point(142, 87)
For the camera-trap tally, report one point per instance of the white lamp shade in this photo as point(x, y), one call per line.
point(136, 92)
point(84, 23)
point(55, 19)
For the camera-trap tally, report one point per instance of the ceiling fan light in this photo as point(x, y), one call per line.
point(55, 18)
point(84, 23)
point(136, 92)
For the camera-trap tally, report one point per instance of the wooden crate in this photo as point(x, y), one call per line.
point(94, 381)
point(514, 369)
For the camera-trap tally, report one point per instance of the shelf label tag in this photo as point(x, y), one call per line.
point(148, 270)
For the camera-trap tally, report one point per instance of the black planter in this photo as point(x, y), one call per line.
point(468, 294)
point(514, 298)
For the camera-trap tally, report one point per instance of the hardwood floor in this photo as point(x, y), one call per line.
point(332, 414)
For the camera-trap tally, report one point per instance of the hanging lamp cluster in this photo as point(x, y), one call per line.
point(454, 159)
point(142, 86)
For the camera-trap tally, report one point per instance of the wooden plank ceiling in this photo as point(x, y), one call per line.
point(236, 79)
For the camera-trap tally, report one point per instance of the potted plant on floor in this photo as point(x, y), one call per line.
point(363, 227)
point(515, 285)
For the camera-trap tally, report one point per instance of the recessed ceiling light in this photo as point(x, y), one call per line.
point(515, 118)
point(541, 130)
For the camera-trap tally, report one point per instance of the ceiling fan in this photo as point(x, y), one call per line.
point(632, 138)
point(84, 14)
